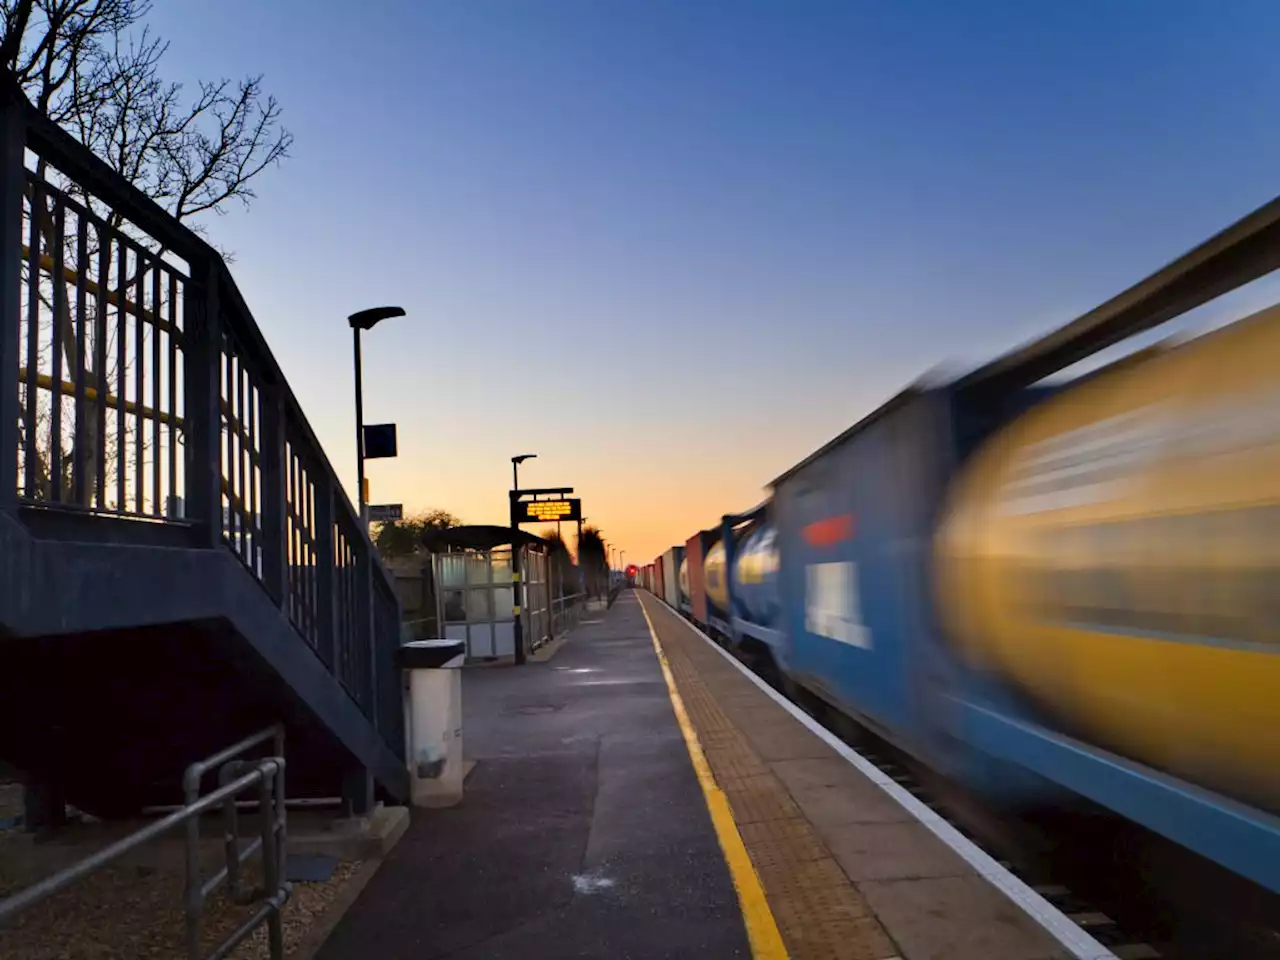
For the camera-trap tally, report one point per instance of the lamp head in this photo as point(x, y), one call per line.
point(366, 319)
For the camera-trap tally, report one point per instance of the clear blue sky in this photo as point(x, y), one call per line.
point(674, 246)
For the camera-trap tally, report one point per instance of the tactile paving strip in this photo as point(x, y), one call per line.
point(819, 913)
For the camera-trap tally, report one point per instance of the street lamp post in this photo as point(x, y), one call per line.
point(517, 584)
point(515, 468)
point(365, 320)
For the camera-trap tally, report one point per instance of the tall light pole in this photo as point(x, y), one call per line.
point(365, 320)
point(515, 468)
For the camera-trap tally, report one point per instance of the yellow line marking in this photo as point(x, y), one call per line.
point(762, 929)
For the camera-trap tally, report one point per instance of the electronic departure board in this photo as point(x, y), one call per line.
point(547, 511)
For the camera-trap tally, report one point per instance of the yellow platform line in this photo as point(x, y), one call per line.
point(762, 929)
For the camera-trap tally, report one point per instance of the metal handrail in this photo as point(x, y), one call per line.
point(570, 608)
point(236, 777)
point(196, 892)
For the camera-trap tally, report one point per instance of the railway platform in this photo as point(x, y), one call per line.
point(642, 795)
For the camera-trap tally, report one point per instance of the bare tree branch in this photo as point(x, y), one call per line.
point(93, 67)
point(16, 17)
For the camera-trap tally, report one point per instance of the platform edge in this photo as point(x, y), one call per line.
point(762, 929)
point(1057, 924)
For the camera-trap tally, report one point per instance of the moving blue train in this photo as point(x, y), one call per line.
point(1047, 591)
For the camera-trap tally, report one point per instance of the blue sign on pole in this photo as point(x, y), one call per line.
point(379, 441)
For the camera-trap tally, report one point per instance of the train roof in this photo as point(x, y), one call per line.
point(893, 403)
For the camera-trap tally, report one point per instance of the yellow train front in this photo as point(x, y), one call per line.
point(1114, 555)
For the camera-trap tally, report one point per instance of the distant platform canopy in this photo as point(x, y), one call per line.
point(479, 537)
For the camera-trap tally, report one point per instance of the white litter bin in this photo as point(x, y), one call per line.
point(433, 720)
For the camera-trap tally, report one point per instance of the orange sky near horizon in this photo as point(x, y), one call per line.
point(646, 488)
point(643, 511)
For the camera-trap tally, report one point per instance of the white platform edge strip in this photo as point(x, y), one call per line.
point(1054, 921)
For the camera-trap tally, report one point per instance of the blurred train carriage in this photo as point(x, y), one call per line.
point(1047, 592)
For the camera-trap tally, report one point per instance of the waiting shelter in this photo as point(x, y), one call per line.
point(476, 597)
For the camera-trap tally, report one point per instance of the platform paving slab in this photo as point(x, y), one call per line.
point(832, 794)
point(932, 919)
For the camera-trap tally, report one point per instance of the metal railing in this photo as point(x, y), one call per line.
point(566, 612)
point(235, 777)
point(135, 383)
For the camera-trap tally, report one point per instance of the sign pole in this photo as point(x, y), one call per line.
point(517, 629)
point(364, 520)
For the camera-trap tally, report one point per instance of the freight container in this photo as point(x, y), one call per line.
point(853, 525)
point(695, 553)
point(672, 561)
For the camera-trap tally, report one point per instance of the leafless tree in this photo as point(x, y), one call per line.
point(93, 67)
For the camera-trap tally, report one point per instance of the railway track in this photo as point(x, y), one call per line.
point(1140, 895)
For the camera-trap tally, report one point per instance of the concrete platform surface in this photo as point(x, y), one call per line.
point(583, 831)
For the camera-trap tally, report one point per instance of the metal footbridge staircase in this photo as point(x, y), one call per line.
point(179, 566)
